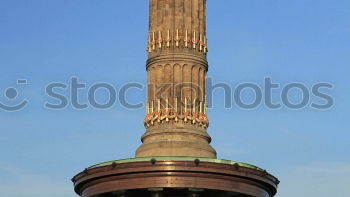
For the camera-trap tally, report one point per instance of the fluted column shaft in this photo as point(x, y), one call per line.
point(176, 114)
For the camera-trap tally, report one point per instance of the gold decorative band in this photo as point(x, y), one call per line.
point(155, 114)
point(177, 39)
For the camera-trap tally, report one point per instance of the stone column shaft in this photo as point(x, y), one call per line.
point(176, 115)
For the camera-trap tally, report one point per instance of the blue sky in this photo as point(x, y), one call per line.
point(304, 41)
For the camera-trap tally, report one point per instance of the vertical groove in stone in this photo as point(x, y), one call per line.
point(167, 16)
point(187, 13)
point(195, 84)
point(173, 15)
point(153, 83)
point(178, 15)
point(205, 17)
point(177, 84)
point(160, 13)
point(195, 16)
point(172, 18)
point(187, 78)
point(199, 89)
point(159, 82)
point(168, 82)
point(151, 19)
point(201, 16)
point(183, 16)
point(202, 84)
point(149, 90)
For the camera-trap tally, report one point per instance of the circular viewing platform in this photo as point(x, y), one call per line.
point(174, 177)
